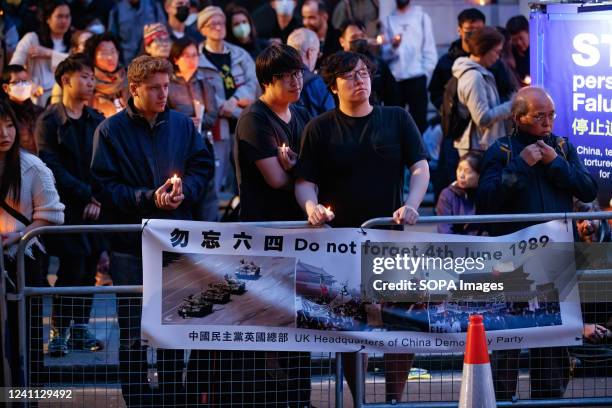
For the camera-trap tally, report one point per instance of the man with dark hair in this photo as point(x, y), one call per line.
point(265, 152)
point(532, 171)
point(263, 165)
point(353, 159)
point(315, 17)
point(65, 134)
point(518, 27)
point(136, 152)
point(18, 87)
point(178, 12)
point(384, 87)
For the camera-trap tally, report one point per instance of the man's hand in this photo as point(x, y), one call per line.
point(228, 107)
point(286, 157)
point(532, 154)
point(396, 40)
point(406, 215)
point(91, 212)
point(594, 332)
point(548, 153)
point(169, 201)
point(319, 215)
point(10, 239)
point(196, 122)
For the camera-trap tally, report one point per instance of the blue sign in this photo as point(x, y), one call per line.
point(571, 56)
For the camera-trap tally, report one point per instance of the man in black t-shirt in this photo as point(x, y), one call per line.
point(265, 152)
point(353, 159)
point(263, 165)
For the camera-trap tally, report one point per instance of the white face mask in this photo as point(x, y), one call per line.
point(191, 19)
point(97, 28)
point(21, 91)
point(284, 7)
point(242, 30)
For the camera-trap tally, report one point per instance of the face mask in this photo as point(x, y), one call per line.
point(193, 17)
point(402, 3)
point(241, 30)
point(182, 12)
point(96, 28)
point(359, 46)
point(21, 91)
point(284, 7)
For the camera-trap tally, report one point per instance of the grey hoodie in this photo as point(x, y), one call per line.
point(476, 89)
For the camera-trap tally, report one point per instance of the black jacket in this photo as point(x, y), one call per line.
point(131, 160)
point(68, 154)
point(509, 186)
point(505, 80)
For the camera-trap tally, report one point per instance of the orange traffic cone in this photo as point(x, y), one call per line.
point(477, 382)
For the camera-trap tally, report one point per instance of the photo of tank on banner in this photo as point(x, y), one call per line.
point(236, 287)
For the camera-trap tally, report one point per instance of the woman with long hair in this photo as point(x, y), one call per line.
point(43, 50)
point(28, 199)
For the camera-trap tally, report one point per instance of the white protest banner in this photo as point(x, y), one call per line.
point(240, 287)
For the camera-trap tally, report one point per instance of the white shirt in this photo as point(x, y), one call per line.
point(416, 55)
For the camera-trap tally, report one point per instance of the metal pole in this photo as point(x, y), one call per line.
point(487, 218)
point(339, 381)
point(359, 396)
point(6, 368)
point(562, 402)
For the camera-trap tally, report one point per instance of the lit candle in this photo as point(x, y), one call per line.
point(527, 80)
point(174, 179)
point(380, 39)
point(199, 109)
point(328, 211)
point(284, 148)
point(397, 38)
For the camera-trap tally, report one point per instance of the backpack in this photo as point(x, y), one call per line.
point(455, 115)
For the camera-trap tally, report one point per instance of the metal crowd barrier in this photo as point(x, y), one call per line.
point(331, 368)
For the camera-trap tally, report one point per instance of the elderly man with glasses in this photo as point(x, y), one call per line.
point(532, 171)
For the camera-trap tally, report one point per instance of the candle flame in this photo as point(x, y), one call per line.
point(328, 208)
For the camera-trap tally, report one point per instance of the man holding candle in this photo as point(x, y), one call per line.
point(265, 151)
point(353, 159)
point(136, 153)
point(268, 138)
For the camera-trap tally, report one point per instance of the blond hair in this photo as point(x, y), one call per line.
point(144, 66)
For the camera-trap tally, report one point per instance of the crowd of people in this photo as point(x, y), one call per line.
point(314, 110)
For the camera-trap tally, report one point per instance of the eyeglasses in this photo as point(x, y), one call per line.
point(21, 82)
point(541, 116)
point(298, 75)
point(215, 24)
point(363, 73)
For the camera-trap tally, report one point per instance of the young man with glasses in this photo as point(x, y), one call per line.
point(263, 165)
point(265, 151)
point(353, 159)
point(532, 171)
